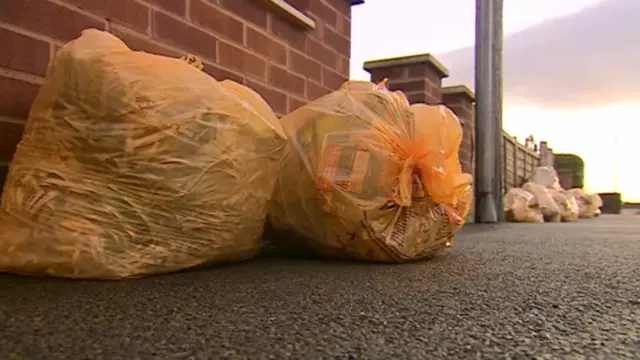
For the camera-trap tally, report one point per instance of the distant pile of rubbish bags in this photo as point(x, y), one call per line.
point(542, 199)
point(134, 164)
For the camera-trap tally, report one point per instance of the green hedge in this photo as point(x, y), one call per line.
point(572, 163)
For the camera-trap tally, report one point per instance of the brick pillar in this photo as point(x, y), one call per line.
point(461, 100)
point(418, 76)
point(546, 154)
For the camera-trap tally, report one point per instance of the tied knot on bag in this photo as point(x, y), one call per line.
point(417, 157)
point(419, 164)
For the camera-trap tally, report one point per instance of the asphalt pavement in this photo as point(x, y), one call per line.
point(510, 291)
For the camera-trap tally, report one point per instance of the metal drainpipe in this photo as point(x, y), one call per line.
point(497, 104)
point(485, 120)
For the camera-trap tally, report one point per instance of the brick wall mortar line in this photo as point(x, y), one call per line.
point(217, 45)
point(288, 101)
point(304, 54)
point(269, 23)
point(187, 18)
point(244, 34)
point(265, 33)
point(78, 10)
point(20, 75)
point(335, 29)
point(332, 8)
point(52, 54)
point(413, 78)
point(188, 9)
point(219, 37)
point(30, 34)
point(192, 24)
point(287, 61)
point(10, 120)
point(177, 49)
point(151, 22)
point(269, 86)
point(234, 72)
point(335, 71)
point(147, 37)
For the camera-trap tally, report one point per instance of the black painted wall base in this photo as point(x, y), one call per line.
point(611, 203)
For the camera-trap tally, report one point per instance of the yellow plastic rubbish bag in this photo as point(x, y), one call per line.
point(595, 203)
point(439, 137)
point(547, 177)
point(521, 206)
point(569, 210)
point(367, 177)
point(589, 204)
point(133, 164)
point(547, 204)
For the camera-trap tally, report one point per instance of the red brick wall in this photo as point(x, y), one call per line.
point(419, 77)
point(244, 40)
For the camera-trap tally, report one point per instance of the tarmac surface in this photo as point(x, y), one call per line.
point(511, 291)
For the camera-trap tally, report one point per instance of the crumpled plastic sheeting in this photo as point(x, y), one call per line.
point(133, 164)
point(522, 206)
point(547, 177)
point(357, 181)
point(595, 203)
point(569, 209)
point(589, 204)
point(546, 203)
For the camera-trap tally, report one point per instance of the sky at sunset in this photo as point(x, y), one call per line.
point(600, 124)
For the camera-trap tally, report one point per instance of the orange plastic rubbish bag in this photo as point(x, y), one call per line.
point(439, 135)
point(358, 178)
point(134, 164)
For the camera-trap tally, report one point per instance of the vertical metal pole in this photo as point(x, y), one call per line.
point(616, 164)
point(497, 103)
point(485, 120)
